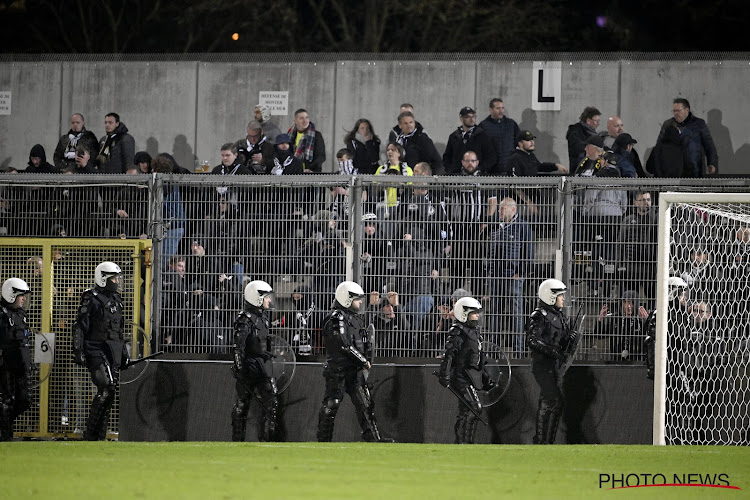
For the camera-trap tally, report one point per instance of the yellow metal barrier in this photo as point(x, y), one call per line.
point(58, 270)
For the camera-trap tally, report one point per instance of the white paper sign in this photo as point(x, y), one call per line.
point(277, 101)
point(5, 102)
point(546, 86)
point(44, 348)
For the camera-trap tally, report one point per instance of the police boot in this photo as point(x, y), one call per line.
point(99, 409)
point(268, 422)
point(326, 418)
point(6, 424)
point(239, 424)
point(470, 429)
point(104, 427)
point(542, 415)
point(552, 423)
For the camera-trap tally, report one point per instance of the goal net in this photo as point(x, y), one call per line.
point(702, 369)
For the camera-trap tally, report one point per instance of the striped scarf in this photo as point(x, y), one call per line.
point(307, 145)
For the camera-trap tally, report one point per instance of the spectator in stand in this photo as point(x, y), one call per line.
point(263, 116)
point(65, 151)
point(392, 330)
point(502, 132)
point(524, 163)
point(592, 160)
point(255, 151)
point(623, 329)
point(131, 209)
point(173, 211)
point(175, 288)
point(669, 158)
point(471, 208)
point(417, 145)
point(469, 136)
point(627, 159)
point(231, 163)
point(637, 248)
point(143, 161)
point(309, 145)
point(396, 130)
point(695, 138)
point(510, 261)
point(364, 146)
point(418, 268)
point(579, 132)
point(387, 198)
point(116, 148)
point(614, 129)
point(38, 163)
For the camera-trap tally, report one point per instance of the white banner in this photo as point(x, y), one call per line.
point(277, 101)
point(5, 99)
point(546, 86)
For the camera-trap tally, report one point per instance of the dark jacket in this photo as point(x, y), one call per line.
point(365, 157)
point(246, 151)
point(696, 140)
point(116, 151)
point(475, 140)
point(502, 134)
point(511, 249)
point(37, 151)
point(523, 164)
point(576, 136)
point(419, 147)
point(64, 155)
point(669, 158)
point(396, 131)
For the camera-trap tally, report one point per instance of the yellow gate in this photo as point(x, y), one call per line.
point(58, 270)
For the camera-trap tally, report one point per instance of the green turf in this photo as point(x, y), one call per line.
point(115, 470)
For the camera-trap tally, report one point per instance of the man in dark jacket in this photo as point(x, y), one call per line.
point(116, 148)
point(502, 132)
point(524, 163)
point(469, 137)
point(38, 162)
point(396, 130)
point(669, 158)
point(77, 135)
point(255, 151)
point(579, 132)
point(418, 146)
point(308, 143)
point(695, 138)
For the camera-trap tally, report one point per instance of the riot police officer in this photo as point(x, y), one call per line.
point(98, 344)
point(463, 367)
point(252, 350)
point(15, 359)
point(548, 335)
point(348, 354)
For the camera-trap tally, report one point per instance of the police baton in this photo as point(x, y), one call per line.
point(466, 403)
point(144, 358)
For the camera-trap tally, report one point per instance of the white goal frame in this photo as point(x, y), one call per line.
point(666, 200)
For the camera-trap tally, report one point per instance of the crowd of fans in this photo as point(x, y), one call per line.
point(420, 244)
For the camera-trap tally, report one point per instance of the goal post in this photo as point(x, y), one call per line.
point(702, 352)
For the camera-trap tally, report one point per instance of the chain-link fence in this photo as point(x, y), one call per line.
point(411, 242)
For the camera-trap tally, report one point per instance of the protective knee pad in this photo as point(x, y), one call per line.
point(326, 418)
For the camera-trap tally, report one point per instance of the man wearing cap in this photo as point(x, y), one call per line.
point(592, 160)
point(502, 132)
point(255, 151)
point(579, 132)
point(695, 138)
point(469, 137)
point(524, 163)
point(627, 159)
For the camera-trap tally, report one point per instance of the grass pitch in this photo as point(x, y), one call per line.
point(219, 470)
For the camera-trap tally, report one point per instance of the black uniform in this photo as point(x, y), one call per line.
point(15, 365)
point(463, 368)
point(548, 335)
point(348, 349)
point(252, 350)
point(98, 344)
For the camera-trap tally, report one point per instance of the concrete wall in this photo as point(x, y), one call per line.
point(193, 401)
point(190, 108)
